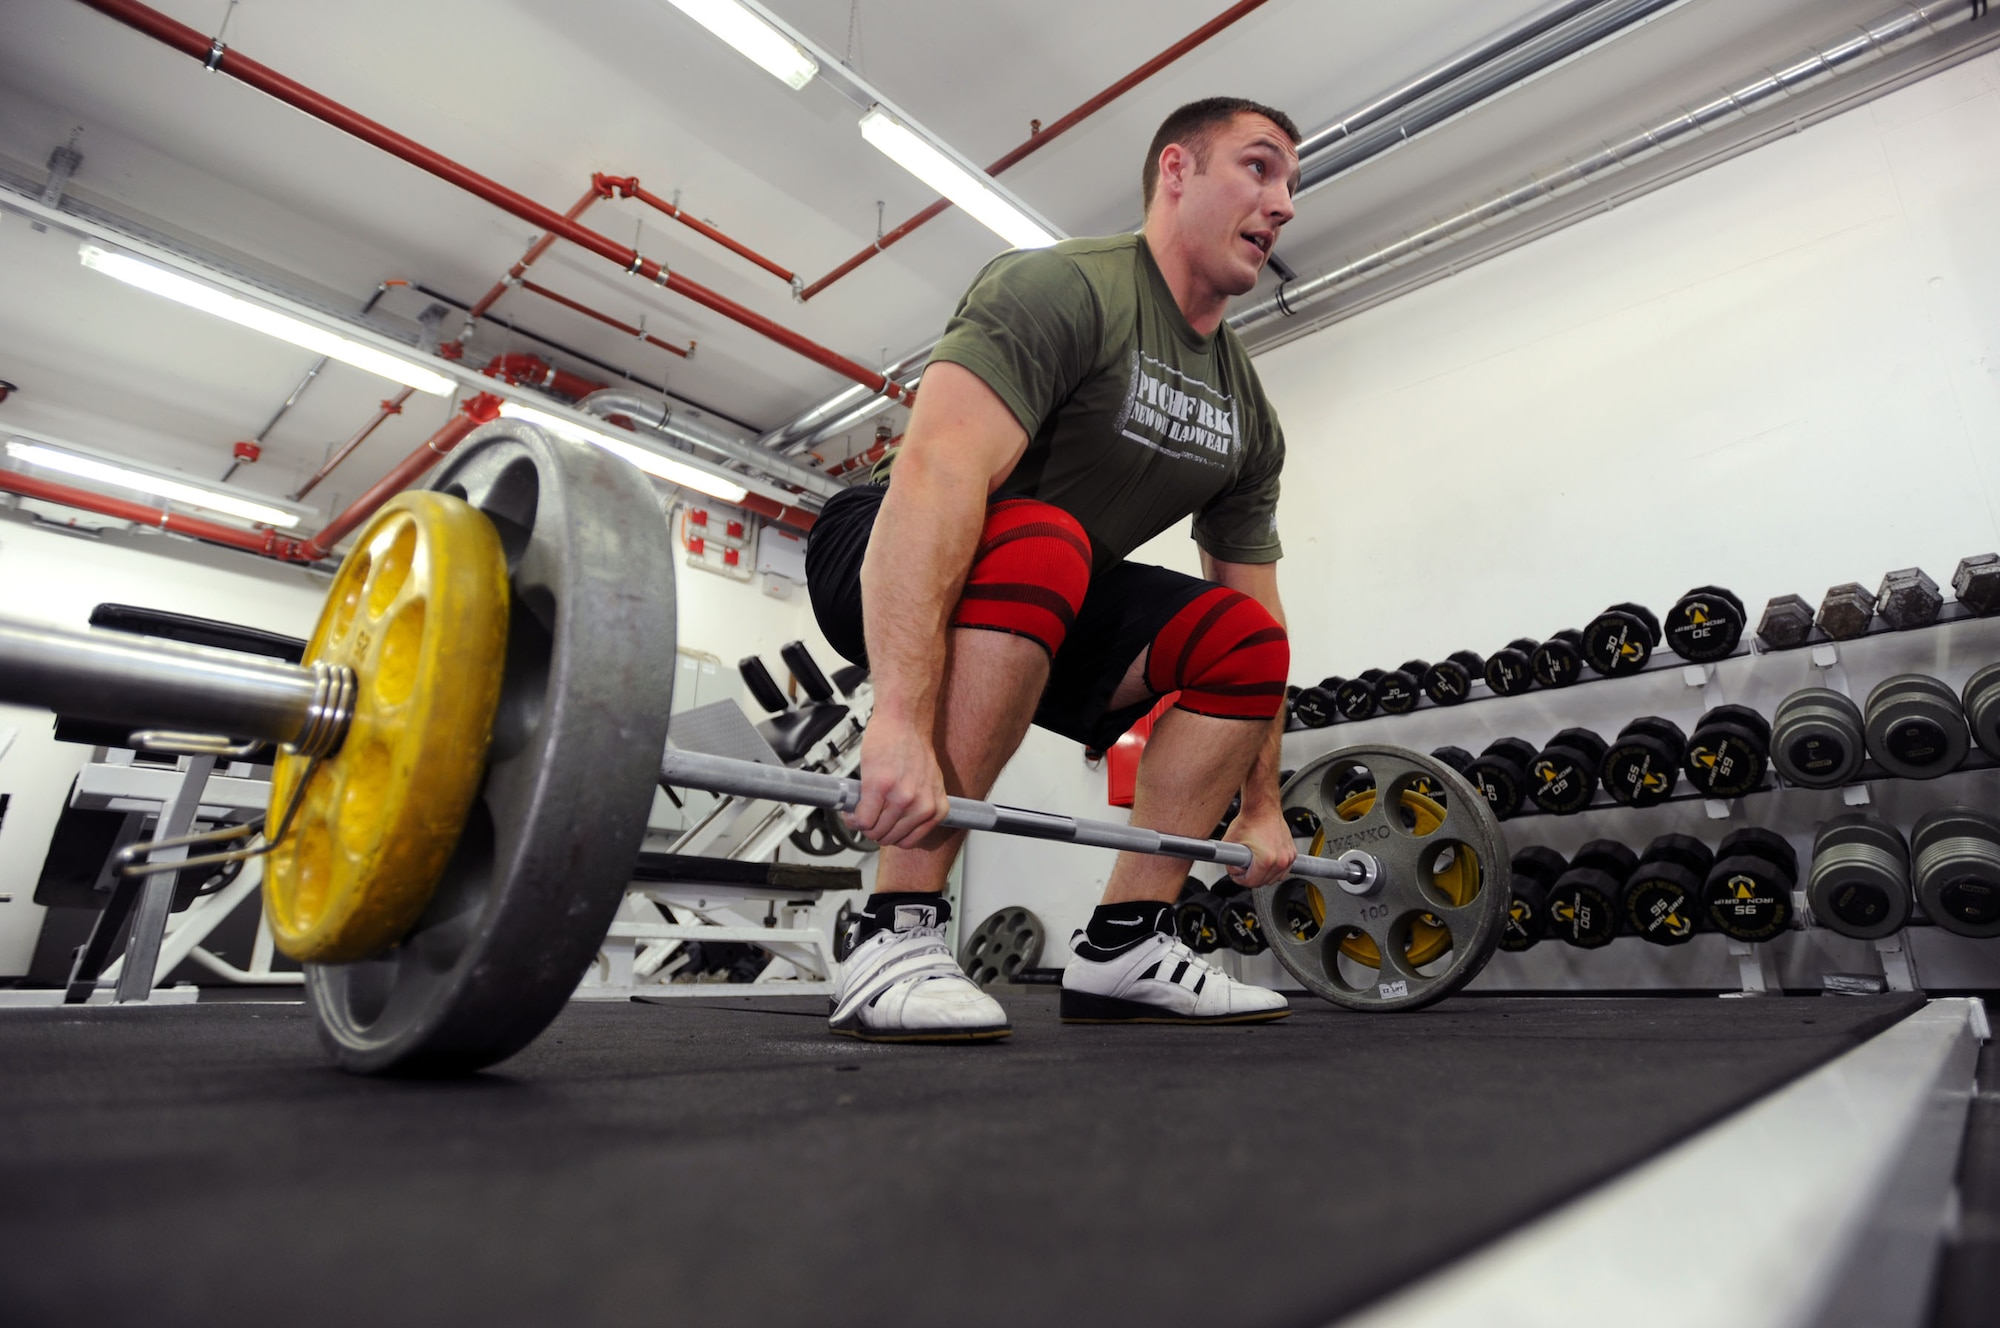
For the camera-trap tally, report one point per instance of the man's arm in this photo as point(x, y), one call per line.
point(1260, 821)
point(961, 443)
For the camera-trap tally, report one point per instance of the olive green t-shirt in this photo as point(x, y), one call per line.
point(1133, 420)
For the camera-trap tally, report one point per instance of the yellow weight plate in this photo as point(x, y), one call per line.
point(1459, 882)
point(419, 612)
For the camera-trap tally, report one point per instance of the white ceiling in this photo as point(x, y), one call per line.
point(540, 93)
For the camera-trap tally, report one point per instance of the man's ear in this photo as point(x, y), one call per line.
point(1175, 163)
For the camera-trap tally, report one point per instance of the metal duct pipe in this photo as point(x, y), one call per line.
point(1532, 47)
point(845, 410)
point(657, 417)
point(1900, 27)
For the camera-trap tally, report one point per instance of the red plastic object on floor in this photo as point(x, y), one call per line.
point(1121, 763)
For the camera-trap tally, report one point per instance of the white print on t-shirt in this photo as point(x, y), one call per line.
point(1195, 422)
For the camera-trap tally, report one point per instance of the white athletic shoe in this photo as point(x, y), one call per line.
point(904, 986)
point(1160, 981)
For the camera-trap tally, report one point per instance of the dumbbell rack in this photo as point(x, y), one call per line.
point(1951, 649)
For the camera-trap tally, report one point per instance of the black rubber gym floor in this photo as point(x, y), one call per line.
point(722, 1163)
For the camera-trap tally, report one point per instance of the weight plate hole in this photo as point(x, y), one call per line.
point(391, 569)
point(1347, 950)
point(369, 775)
point(402, 654)
point(350, 599)
point(1449, 874)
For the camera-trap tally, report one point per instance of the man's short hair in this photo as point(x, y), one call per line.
point(1194, 126)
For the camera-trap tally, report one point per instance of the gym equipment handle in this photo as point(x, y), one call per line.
point(751, 779)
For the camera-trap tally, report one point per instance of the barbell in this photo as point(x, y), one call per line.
point(470, 747)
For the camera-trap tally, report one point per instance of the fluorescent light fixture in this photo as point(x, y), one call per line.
point(663, 467)
point(766, 47)
point(199, 295)
point(973, 193)
point(142, 481)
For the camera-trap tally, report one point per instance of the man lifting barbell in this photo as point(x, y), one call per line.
point(1084, 398)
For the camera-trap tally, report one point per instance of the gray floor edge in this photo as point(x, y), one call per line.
point(1825, 1203)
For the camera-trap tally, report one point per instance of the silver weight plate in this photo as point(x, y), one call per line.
point(548, 849)
point(1002, 946)
point(1437, 911)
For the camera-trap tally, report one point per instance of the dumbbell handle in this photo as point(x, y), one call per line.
point(751, 779)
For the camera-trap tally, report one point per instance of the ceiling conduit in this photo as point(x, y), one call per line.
point(1388, 120)
point(657, 417)
point(217, 57)
point(1902, 26)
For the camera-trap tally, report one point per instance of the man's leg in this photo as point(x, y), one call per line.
point(1228, 658)
point(992, 683)
point(1192, 766)
point(1028, 578)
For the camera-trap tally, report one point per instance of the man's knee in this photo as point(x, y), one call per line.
point(1029, 574)
point(1225, 654)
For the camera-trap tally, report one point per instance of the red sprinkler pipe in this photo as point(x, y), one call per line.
point(520, 369)
point(527, 260)
point(796, 517)
point(606, 319)
point(390, 408)
point(267, 542)
point(215, 56)
point(1043, 136)
point(628, 186)
point(476, 411)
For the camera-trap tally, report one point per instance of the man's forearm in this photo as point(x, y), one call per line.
point(915, 569)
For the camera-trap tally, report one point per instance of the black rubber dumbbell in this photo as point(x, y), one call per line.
point(1977, 583)
point(1846, 611)
point(1198, 917)
point(1314, 707)
point(1748, 892)
point(1355, 698)
point(1535, 869)
point(1449, 681)
point(1661, 901)
point(1583, 903)
point(1643, 763)
point(1915, 726)
point(1563, 778)
point(1787, 623)
point(1955, 865)
point(1457, 758)
point(1859, 882)
point(1705, 624)
point(1510, 670)
point(1501, 774)
point(1981, 703)
point(1908, 598)
point(1558, 661)
point(1817, 738)
point(1303, 822)
point(1398, 690)
point(1728, 752)
point(1620, 640)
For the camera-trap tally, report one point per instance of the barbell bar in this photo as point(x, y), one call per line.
point(752, 779)
point(117, 679)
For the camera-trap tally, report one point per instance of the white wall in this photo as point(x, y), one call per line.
point(53, 577)
point(1776, 375)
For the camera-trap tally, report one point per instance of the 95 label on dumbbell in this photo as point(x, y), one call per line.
point(1391, 990)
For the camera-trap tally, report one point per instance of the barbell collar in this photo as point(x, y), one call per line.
point(148, 683)
point(752, 779)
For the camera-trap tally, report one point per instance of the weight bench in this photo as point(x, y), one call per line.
point(727, 896)
point(127, 795)
point(793, 732)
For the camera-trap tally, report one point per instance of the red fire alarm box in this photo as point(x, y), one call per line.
point(1121, 763)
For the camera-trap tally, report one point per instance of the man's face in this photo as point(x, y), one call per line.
point(1231, 213)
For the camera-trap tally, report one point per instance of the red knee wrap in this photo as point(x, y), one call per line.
point(1029, 574)
point(1225, 654)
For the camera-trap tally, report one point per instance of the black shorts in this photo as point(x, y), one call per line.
point(1124, 609)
